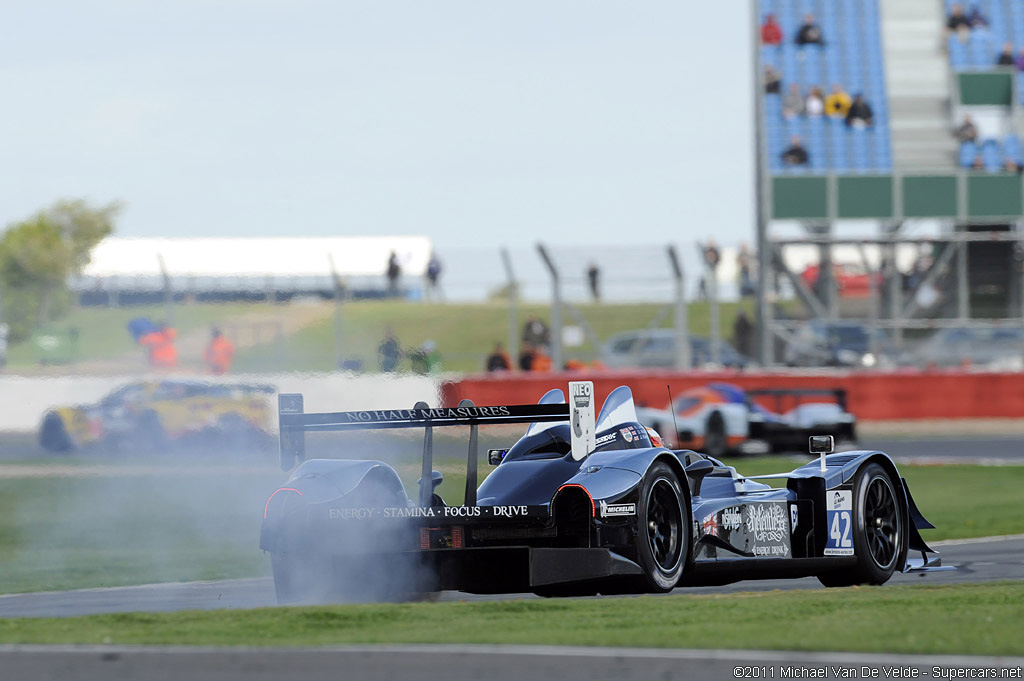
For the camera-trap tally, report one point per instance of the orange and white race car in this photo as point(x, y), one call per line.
point(720, 418)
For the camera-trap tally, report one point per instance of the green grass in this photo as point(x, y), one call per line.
point(103, 332)
point(976, 619)
point(464, 333)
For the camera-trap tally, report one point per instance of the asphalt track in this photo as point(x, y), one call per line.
point(1003, 449)
point(470, 663)
point(976, 560)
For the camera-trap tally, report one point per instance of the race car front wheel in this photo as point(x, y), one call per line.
point(879, 532)
point(664, 521)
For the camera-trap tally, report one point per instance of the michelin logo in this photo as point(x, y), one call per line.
point(617, 509)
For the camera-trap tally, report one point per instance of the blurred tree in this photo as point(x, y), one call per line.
point(38, 256)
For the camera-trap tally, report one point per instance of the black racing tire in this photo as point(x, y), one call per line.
point(287, 580)
point(53, 436)
point(663, 540)
point(150, 434)
point(880, 530)
point(716, 443)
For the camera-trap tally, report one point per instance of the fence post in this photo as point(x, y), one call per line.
point(556, 310)
point(338, 295)
point(168, 293)
point(513, 303)
point(681, 320)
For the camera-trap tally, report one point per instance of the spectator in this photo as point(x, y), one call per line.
point(526, 357)
point(837, 104)
point(958, 22)
point(1006, 56)
point(967, 132)
point(796, 155)
point(219, 353)
point(744, 263)
point(809, 33)
point(388, 352)
point(711, 255)
point(433, 277)
point(535, 332)
point(1011, 166)
point(1020, 60)
point(979, 162)
point(977, 19)
point(771, 32)
point(793, 103)
point(159, 344)
point(743, 334)
point(499, 359)
point(394, 272)
point(860, 114)
point(594, 280)
point(424, 359)
point(772, 80)
point(541, 360)
point(815, 104)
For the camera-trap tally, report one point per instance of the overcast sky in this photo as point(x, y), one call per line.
point(475, 123)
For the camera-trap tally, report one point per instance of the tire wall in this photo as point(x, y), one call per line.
point(870, 395)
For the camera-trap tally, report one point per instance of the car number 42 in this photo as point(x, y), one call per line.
point(840, 530)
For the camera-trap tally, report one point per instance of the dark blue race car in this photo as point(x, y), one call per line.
point(577, 506)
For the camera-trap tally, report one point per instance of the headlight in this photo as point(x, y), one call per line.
point(868, 359)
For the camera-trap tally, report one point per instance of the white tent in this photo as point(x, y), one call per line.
point(255, 257)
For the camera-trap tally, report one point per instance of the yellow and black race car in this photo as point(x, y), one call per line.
point(154, 415)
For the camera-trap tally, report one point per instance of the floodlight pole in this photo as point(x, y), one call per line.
point(681, 321)
point(513, 304)
point(763, 313)
point(556, 310)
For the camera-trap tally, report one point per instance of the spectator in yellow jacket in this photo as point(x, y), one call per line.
point(838, 103)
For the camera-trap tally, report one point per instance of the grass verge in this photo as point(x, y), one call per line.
point(976, 619)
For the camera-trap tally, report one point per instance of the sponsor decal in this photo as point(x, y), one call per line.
point(604, 439)
point(438, 512)
point(421, 414)
point(608, 510)
point(767, 522)
point(839, 520)
point(710, 525)
point(731, 518)
point(794, 517)
point(582, 393)
point(627, 434)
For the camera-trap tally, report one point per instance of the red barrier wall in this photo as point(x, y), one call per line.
point(870, 395)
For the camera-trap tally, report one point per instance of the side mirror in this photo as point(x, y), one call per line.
point(821, 444)
point(495, 456)
point(695, 472)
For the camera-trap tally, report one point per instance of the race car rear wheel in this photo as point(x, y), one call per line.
point(53, 436)
point(664, 521)
point(879, 532)
point(715, 441)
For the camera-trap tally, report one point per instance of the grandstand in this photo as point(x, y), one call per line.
point(973, 56)
point(852, 57)
point(904, 179)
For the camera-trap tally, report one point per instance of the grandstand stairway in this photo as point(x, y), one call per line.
point(918, 82)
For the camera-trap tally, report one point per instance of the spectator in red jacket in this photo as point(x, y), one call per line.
point(771, 32)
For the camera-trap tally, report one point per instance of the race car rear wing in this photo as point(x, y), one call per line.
point(295, 423)
point(838, 394)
